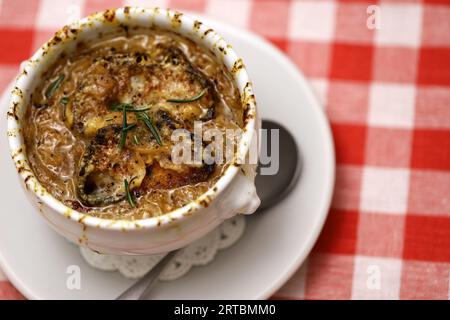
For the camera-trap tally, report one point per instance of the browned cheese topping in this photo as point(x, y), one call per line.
point(99, 125)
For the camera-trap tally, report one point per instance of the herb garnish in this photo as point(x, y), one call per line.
point(54, 86)
point(125, 128)
point(194, 98)
point(127, 107)
point(136, 140)
point(127, 191)
point(141, 115)
point(148, 122)
point(64, 101)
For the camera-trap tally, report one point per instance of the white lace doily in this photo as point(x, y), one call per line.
point(197, 253)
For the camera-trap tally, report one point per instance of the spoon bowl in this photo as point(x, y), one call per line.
point(273, 188)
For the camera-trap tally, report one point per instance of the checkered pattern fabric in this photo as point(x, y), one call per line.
point(386, 91)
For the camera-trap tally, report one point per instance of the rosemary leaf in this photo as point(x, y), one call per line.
point(127, 107)
point(194, 98)
point(136, 140)
point(125, 129)
point(54, 86)
point(64, 100)
point(129, 127)
point(127, 190)
point(123, 133)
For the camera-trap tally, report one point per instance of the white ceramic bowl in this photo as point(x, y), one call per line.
point(233, 193)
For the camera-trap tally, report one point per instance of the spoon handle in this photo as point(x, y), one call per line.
point(141, 288)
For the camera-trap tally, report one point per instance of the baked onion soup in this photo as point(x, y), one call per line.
point(99, 128)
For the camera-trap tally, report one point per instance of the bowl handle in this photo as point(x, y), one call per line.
point(241, 197)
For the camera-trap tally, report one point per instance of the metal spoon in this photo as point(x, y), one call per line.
point(271, 190)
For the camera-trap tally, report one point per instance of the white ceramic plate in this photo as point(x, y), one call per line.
point(274, 245)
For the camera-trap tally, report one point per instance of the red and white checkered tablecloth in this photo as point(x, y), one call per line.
point(387, 94)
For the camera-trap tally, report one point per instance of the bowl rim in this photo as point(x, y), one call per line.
point(201, 34)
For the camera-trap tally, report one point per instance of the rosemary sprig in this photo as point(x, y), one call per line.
point(141, 115)
point(192, 99)
point(148, 122)
point(127, 191)
point(54, 86)
point(127, 107)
